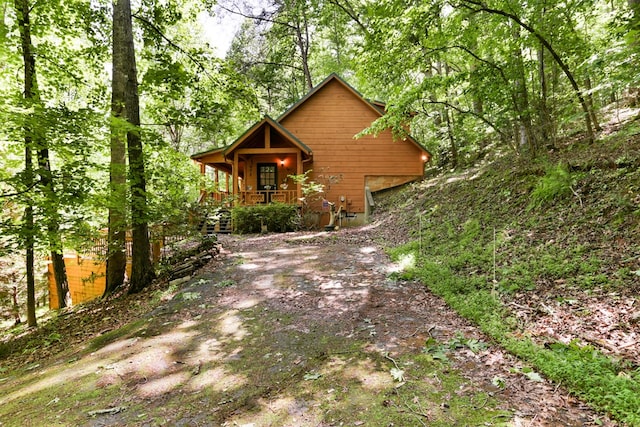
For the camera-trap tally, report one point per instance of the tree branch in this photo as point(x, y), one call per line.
point(26, 190)
point(348, 9)
point(475, 56)
point(277, 64)
point(481, 7)
point(173, 44)
point(262, 18)
point(480, 117)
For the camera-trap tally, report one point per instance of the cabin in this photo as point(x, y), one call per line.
point(315, 136)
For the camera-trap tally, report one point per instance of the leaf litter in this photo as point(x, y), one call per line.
point(407, 321)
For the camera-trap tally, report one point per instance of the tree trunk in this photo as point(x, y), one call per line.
point(302, 39)
point(3, 13)
point(142, 272)
point(526, 135)
point(634, 27)
point(16, 306)
point(546, 125)
point(452, 140)
point(53, 229)
point(46, 179)
point(116, 249)
point(634, 5)
point(594, 118)
point(30, 260)
point(22, 12)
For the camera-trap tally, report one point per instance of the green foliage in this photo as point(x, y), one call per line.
point(548, 263)
point(311, 190)
point(274, 216)
point(439, 350)
point(563, 249)
point(600, 380)
point(605, 383)
point(556, 184)
point(172, 185)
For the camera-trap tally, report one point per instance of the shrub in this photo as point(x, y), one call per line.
point(555, 184)
point(275, 216)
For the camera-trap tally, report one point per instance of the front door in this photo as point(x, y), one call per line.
point(267, 176)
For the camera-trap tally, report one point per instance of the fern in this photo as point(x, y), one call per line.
point(556, 184)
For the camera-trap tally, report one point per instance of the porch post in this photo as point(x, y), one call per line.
point(236, 202)
point(203, 188)
point(299, 171)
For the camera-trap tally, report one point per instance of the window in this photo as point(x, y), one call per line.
point(267, 176)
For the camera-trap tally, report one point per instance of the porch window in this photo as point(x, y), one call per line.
point(267, 176)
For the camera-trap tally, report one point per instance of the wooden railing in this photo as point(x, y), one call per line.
point(159, 238)
point(258, 197)
point(218, 196)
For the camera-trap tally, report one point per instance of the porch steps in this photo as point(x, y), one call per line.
point(219, 225)
point(225, 222)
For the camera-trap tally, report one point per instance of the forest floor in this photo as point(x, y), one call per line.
point(294, 329)
point(326, 329)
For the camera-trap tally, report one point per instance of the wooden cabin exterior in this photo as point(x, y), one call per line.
point(316, 134)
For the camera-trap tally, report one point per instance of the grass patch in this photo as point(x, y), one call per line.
point(606, 384)
point(56, 406)
point(334, 380)
point(556, 184)
point(556, 233)
point(112, 336)
point(428, 393)
point(262, 368)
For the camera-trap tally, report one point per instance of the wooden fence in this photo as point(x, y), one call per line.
point(86, 271)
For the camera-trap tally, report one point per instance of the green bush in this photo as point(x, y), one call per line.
point(555, 184)
point(274, 216)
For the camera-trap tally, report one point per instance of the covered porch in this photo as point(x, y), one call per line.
point(257, 168)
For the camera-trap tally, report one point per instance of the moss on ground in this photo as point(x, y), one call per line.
point(561, 228)
point(273, 373)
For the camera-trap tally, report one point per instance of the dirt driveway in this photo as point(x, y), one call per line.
point(301, 329)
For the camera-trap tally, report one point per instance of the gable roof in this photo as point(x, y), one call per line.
point(331, 77)
point(202, 154)
point(376, 106)
point(249, 132)
point(283, 131)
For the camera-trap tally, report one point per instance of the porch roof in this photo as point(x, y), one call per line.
point(221, 154)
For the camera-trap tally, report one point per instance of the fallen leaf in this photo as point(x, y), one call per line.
point(310, 376)
point(533, 376)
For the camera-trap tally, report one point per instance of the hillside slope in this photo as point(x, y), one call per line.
point(544, 256)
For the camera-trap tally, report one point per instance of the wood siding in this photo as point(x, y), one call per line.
point(327, 122)
point(86, 277)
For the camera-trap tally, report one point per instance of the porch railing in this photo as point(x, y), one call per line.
point(218, 196)
point(258, 197)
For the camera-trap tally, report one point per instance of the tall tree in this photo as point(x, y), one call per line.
point(22, 10)
point(117, 220)
point(281, 54)
point(34, 140)
point(125, 87)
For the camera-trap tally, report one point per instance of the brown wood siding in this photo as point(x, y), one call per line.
point(327, 122)
point(86, 278)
